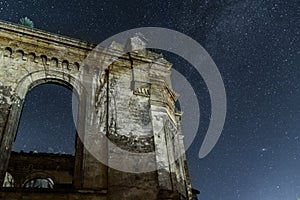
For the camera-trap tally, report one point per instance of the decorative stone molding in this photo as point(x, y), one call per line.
point(45, 60)
point(142, 91)
point(170, 128)
point(134, 107)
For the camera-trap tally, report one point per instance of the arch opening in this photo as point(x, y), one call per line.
point(46, 124)
point(46, 137)
point(46, 183)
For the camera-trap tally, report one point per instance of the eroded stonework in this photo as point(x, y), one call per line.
point(132, 104)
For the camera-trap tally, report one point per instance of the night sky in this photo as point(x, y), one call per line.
point(254, 43)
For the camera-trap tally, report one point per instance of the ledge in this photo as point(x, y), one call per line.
point(150, 57)
point(47, 36)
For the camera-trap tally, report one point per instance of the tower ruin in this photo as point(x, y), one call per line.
point(133, 106)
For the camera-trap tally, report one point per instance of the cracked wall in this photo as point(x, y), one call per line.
point(133, 105)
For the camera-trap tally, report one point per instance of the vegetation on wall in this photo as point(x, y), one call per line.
point(25, 21)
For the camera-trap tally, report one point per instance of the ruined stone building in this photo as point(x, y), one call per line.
point(133, 106)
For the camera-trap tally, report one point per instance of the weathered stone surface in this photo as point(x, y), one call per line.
point(128, 100)
point(25, 166)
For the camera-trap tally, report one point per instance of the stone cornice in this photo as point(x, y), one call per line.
point(52, 41)
point(46, 36)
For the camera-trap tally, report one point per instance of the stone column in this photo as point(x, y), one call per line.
point(10, 111)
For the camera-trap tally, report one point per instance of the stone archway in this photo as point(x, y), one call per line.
point(28, 82)
point(133, 93)
point(32, 57)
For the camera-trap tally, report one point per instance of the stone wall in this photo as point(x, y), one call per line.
point(131, 103)
point(26, 166)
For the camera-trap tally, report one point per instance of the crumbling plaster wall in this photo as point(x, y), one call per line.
point(140, 99)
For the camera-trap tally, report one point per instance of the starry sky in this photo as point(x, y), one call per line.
point(254, 43)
